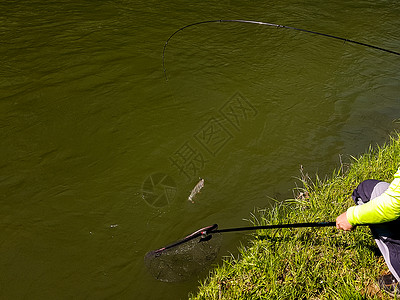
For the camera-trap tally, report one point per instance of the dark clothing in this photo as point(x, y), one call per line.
point(386, 235)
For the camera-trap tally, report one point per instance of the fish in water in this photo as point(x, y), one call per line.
point(196, 190)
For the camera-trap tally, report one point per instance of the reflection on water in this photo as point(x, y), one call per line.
point(100, 153)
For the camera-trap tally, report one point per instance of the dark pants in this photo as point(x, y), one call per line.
point(386, 235)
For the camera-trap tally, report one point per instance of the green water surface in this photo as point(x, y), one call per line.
point(99, 152)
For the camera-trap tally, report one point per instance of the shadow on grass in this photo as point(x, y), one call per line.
point(309, 238)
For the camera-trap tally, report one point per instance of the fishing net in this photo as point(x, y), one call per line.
point(193, 254)
point(183, 259)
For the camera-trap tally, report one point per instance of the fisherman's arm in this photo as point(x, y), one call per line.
point(383, 208)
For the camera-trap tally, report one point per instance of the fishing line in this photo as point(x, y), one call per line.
point(271, 25)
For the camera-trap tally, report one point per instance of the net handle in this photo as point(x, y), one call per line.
point(295, 225)
point(205, 231)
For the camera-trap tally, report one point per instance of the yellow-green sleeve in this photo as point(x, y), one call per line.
point(381, 209)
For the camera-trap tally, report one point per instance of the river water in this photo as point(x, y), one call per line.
point(100, 152)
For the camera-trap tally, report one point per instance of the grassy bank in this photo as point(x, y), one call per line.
point(310, 263)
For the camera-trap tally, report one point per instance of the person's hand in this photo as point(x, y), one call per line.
point(342, 223)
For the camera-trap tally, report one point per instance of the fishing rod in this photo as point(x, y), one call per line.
point(272, 25)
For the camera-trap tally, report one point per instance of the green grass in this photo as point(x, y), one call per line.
point(310, 263)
